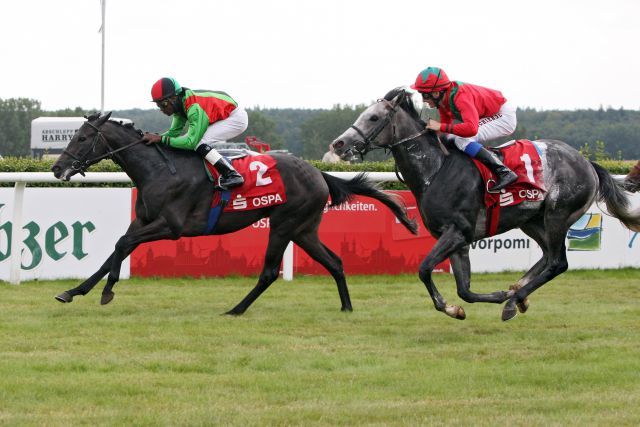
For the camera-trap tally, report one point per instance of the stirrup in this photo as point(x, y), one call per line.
point(489, 181)
point(233, 182)
point(492, 190)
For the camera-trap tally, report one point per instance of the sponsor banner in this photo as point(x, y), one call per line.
point(239, 253)
point(370, 240)
point(364, 233)
point(67, 232)
point(596, 240)
point(70, 232)
point(51, 133)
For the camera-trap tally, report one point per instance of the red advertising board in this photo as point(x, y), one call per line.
point(364, 233)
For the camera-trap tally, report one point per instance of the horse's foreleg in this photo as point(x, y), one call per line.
point(87, 285)
point(275, 249)
point(462, 273)
point(450, 241)
point(136, 235)
point(312, 245)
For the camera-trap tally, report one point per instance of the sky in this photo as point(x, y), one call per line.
point(543, 54)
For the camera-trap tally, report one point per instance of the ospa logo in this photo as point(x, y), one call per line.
point(531, 194)
point(241, 203)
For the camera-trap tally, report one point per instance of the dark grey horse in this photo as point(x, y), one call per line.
point(175, 195)
point(449, 192)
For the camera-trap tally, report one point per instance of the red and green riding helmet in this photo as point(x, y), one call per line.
point(164, 88)
point(431, 79)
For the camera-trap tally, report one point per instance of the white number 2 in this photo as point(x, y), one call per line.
point(262, 169)
point(526, 159)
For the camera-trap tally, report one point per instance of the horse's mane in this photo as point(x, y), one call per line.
point(128, 126)
point(408, 102)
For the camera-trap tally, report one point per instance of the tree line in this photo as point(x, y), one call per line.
point(606, 133)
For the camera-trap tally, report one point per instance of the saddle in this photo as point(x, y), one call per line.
point(524, 158)
point(263, 185)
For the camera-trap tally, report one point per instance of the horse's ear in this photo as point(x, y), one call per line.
point(399, 97)
point(102, 119)
point(92, 116)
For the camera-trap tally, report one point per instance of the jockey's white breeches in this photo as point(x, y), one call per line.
point(490, 128)
point(226, 129)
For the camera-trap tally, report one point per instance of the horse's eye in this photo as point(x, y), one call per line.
point(374, 118)
point(82, 138)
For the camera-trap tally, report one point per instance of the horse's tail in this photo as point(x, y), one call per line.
point(342, 191)
point(612, 194)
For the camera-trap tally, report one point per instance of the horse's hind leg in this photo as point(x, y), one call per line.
point(535, 230)
point(278, 242)
point(462, 273)
point(553, 263)
point(312, 245)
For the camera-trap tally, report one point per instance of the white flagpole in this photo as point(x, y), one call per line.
point(102, 30)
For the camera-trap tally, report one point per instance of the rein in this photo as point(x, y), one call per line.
point(81, 164)
point(368, 139)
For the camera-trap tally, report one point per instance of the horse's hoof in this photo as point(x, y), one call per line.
point(347, 309)
point(509, 311)
point(523, 306)
point(455, 311)
point(64, 297)
point(234, 312)
point(107, 297)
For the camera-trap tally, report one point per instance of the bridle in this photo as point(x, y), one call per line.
point(81, 164)
point(367, 139)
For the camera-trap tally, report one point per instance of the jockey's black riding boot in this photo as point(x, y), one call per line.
point(229, 177)
point(505, 175)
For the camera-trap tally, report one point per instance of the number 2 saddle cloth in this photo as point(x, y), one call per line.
point(525, 158)
point(263, 187)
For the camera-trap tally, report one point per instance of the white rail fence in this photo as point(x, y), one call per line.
point(617, 248)
point(21, 179)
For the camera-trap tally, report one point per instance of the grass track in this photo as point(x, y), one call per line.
point(161, 354)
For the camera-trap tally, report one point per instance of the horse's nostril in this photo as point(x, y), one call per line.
point(55, 168)
point(338, 144)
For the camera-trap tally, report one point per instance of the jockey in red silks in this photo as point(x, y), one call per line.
point(481, 115)
point(212, 117)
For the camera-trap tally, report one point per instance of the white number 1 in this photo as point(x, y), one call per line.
point(262, 169)
point(526, 159)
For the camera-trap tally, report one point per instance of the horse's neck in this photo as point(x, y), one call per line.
point(135, 161)
point(418, 161)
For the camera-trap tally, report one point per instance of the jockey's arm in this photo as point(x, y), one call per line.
point(470, 120)
point(198, 124)
point(177, 123)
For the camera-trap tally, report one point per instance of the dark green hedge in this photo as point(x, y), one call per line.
point(26, 164)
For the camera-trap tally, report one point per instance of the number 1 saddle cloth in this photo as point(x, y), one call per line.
point(524, 157)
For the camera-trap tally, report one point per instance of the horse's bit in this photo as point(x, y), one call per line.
point(81, 164)
point(367, 142)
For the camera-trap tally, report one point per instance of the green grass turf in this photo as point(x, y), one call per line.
point(162, 354)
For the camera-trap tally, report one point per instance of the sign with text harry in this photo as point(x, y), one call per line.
point(66, 233)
